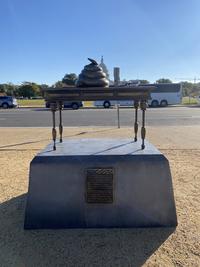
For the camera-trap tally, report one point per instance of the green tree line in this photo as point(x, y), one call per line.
point(26, 89)
point(31, 89)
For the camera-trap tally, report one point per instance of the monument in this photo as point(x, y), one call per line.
point(87, 183)
point(104, 68)
point(92, 76)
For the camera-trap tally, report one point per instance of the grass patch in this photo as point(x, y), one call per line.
point(31, 102)
point(186, 100)
point(41, 102)
point(88, 103)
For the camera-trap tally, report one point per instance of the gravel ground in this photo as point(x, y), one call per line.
point(100, 247)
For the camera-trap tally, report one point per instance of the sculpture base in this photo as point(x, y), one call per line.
point(100, 183)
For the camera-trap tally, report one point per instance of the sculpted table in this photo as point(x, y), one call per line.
point(57, 96)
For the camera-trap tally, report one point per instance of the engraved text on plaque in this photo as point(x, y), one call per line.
point(99, 185)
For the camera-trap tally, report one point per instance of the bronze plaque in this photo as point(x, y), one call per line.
point(99, 185)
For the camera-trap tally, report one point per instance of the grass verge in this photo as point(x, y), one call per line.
point(31, 102)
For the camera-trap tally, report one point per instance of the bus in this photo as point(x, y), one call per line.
point(109, 103)
point(166, 94)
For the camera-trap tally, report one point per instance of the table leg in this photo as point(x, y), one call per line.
point(53, 109)
point(143, 106)
point(60, 121)
point(136, 105)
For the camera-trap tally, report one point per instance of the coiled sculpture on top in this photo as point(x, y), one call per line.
point(92, 76)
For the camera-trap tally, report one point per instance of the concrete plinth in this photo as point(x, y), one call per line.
point(142, 186)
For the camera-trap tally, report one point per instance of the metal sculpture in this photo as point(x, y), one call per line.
point(57, 96)
point(95, 182)
point(92, 76)
point(90, 86)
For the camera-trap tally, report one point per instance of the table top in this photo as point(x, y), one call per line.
point(99, 147)
point(137, 93)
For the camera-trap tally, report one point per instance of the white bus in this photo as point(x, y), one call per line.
point(109, 103)
point(166, 94)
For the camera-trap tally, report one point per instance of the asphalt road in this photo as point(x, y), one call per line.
point(34, 117)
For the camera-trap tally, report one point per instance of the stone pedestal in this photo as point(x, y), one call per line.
point(100, 183)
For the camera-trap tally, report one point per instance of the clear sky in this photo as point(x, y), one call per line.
point(42, 40)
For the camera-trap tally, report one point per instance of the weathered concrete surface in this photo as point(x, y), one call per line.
point(143, 193)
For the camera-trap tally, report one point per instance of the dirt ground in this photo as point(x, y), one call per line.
point(100, 247)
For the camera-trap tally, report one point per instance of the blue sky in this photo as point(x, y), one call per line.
point(42, 40)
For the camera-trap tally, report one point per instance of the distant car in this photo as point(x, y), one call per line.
point(69, 104)
point(8, 102)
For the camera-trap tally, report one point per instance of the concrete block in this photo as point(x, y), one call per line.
point(142, 186)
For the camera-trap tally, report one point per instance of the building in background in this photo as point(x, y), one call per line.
point(105, 69)
point(116, 75)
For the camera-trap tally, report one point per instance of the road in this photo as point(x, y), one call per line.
point(34, 117)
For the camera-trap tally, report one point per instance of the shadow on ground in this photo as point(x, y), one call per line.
point(49, 139)
point(193, 106)
point(72, 247)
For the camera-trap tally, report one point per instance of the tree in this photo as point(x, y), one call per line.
point(187, 88)
point(2, 88)
point(144, 82)
point(43, 86)
point(58, 84)
point(8, 89)
point(70, 79)
point(29, 90)
point(163, 80)
point(190, 89)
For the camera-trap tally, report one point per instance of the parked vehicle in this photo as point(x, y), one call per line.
point(163, 95)
point(8, 102)
point(109, 103)
point(69, 104)
point(166, 94)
